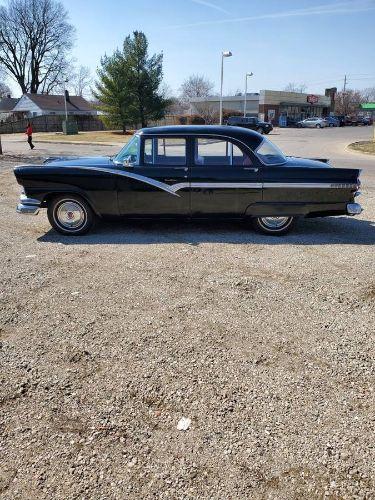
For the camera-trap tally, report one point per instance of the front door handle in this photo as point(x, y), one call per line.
point(181, 168)
point(253, 169)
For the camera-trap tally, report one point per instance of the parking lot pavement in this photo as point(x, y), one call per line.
point(266, 344)
point(328, 143)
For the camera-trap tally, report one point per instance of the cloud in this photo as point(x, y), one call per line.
point(318, 10)
point(211, 6)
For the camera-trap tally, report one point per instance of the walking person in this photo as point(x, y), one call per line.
point(29, 133)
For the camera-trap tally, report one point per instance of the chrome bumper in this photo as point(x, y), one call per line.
point(353, 208)
point(29, 206)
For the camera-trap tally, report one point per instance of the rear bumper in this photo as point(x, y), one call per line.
point(354, 208)
point(28, 206)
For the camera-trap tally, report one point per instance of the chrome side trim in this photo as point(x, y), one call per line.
point(309, 185)
point(130, 175)
point(218, 185)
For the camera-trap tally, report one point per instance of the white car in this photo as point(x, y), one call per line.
point(314, 122)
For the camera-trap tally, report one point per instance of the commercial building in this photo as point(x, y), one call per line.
point(280, 107)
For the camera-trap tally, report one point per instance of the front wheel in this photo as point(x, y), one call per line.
point(318, 126)
point(260, 130)
point(275, 226)
point(70, 215)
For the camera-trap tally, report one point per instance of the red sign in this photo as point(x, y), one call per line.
point(312, 99)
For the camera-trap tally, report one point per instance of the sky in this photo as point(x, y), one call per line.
point(303, 41)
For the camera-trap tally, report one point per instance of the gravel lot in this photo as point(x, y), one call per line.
point(266, 345)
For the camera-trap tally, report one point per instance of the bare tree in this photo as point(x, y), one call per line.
point(35, 39)
point(368, 94)
point(295, 87)
point(4, 90)
point(347, 103)
point(207, 111)
point(195, 86)
point(82, 81)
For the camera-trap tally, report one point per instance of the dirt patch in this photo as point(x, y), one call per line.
point(367, 147)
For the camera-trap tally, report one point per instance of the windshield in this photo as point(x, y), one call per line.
point(130, 151)
point(269, 154)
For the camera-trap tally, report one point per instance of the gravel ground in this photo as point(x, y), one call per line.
point(109, 340)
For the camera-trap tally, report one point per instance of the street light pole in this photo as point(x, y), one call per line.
point(226, 53)
point(245, 101)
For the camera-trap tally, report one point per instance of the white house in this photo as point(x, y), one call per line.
point(42, 104)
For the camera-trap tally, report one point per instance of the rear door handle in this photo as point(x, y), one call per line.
point(253, 169)
point(181, 168)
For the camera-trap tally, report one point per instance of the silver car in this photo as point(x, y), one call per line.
point(314, 122)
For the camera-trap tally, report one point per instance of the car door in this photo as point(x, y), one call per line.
point(224, 178)
point(157, 184)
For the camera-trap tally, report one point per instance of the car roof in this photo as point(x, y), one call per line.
point(250, 137)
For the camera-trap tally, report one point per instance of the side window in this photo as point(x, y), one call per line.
point(219, 153)
point(165, 151)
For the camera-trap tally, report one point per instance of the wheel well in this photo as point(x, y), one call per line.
point(50, 196)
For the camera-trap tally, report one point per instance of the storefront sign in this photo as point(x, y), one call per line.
point(312, 99)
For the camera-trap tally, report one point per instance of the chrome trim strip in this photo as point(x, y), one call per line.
point(130, 175)
point(217, 185)
point(309, 185)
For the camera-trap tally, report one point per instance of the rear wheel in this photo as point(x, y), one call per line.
point(318, 126)
point(276, 226)
point(70, 215)
point(331, 125)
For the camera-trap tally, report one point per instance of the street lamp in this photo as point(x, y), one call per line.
point(226, 53)
point(244, 105)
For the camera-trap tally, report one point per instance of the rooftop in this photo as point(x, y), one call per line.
point(8, 103)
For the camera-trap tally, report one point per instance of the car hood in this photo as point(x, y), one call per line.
point(294, 161)
point(74, 161)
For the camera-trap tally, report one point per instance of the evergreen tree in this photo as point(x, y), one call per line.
point(129, 84)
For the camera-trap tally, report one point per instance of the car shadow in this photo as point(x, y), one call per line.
point(322, 231)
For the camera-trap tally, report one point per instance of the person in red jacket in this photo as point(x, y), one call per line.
point(29, 133)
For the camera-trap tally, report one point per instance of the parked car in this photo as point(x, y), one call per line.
point(189, 172)
point(341, 119)
point(365, 120)
point(332, 121)
point(314, 122)
point(250, 122)
point(351, 120)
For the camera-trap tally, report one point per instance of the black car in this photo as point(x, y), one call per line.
point(250, 122)
point(189, 172)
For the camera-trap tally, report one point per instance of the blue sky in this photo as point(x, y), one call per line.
point(280, 41)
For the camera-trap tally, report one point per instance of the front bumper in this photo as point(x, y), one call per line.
point(28, 206)
point(354, 208)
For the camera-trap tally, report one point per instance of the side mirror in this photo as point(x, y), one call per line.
point(128, 162)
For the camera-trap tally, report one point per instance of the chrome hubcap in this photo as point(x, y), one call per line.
point(274, 222)
point(70, 214)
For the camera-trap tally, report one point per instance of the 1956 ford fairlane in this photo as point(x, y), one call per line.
point(193, 172)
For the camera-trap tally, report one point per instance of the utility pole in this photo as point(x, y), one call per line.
point(344, 95)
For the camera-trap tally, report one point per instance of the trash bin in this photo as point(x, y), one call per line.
point(70, 127)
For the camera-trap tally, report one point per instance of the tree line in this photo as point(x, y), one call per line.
point(36, 39)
